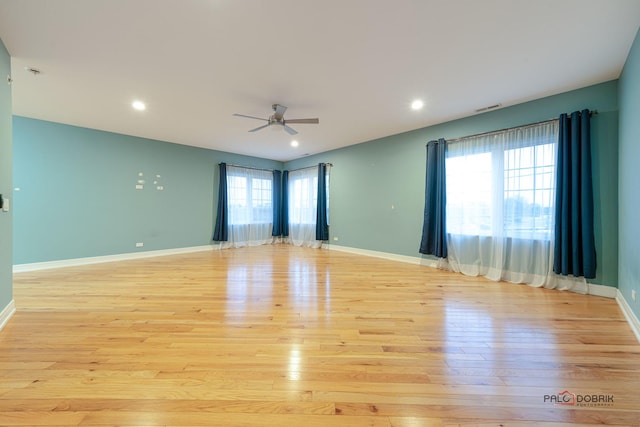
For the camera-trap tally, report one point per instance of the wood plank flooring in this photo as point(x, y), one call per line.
point(285, 336)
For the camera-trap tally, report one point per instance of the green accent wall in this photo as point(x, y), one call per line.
point(75, 192)
point(377, 187)
point(629, 178)
point(6, 227)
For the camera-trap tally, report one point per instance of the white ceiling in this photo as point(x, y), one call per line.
point(355, 64)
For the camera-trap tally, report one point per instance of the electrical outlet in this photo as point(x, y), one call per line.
point(633, 294)
point(139, 245)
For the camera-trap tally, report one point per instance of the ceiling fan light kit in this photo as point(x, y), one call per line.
point(277, 120)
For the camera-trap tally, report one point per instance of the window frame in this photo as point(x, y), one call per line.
point(499, 192)
point(242, 208)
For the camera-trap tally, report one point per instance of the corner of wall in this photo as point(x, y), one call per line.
point(6, 182)
point(633, 321)
point(7, 313)
point(628, 175)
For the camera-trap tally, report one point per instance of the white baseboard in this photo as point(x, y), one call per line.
point(602, 290)
point(385, 255)
point(6, 313)
point(632, 320)
point(21, 268)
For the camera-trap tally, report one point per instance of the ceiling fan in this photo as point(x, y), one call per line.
point(277, 119)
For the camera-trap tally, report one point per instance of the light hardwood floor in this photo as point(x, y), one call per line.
point(284, 336)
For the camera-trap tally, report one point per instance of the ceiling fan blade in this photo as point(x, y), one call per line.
point(278, 111)
point(289, 130)
point(308, 121)
point(260, 127)
point(251, 117)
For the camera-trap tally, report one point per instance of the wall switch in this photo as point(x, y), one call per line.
point(633, 294)
point(5, 204)
point(139, 245)
point(335, 239)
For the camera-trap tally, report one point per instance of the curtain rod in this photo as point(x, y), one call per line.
point(271, 170)
point(308, 167)
point(247, 167)
point(453, 141)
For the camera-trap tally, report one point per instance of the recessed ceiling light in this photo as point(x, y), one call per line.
point(294, 143)
point(139, 105)
point(417, 104)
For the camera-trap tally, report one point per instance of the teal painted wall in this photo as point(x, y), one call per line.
point(75, 192)
point(377, 187)
point(6, 278)
point(629, 178)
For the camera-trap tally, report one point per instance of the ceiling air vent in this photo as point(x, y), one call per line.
point(490, 107)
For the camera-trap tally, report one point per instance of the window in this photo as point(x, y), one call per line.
point(303, 206)
point(469, 201)
point(529, 191)
point(250, 196)
point(303, 196)
point(503, 184)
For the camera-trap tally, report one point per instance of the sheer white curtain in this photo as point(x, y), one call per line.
point(250, 205)
point(500, 206)
point(303, 199)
